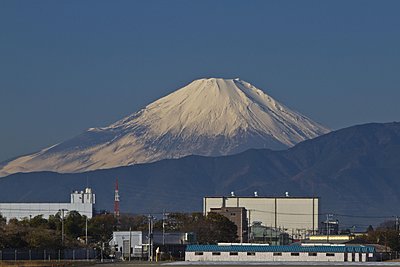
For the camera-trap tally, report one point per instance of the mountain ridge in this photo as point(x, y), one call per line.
point(354, 171)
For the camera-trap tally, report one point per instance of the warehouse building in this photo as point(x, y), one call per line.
point(298, 216)
point(295, 253)
point(81, 201)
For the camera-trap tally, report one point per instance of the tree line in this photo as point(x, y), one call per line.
point(386, 234)
point(41, 233)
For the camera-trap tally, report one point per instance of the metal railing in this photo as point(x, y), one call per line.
point(10, 254)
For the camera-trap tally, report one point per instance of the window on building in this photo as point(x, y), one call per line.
point(312, 254)
point(370, 255)
point(294, 254)
point(330, 254)
point(233, 253)
point(216, 253)
point(277, 254)
point(198, 253)
point(251, 253)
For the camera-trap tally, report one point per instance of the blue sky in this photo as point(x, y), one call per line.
point(70, 65)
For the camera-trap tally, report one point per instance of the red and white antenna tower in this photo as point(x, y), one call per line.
point(116, 200)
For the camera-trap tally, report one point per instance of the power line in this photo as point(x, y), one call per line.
point(364, 216)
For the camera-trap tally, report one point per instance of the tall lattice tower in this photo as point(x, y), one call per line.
point(116, 201)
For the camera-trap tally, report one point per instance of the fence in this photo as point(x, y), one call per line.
point(48, 254)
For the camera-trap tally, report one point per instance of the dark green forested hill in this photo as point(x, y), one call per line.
point(355, 171)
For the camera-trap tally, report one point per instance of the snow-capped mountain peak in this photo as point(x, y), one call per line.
point(211, 117)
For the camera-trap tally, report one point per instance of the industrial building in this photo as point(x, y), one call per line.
point(268, 235)
point(298, 216)
point(294, 253)
point(238, 216)
point(137, 243)
point(125, 242)
point(81, 201)
point(332, 239)
point(329, 227)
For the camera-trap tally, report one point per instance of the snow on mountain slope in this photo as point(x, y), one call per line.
point(209, 117)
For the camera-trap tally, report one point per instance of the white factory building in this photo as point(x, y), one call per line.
point(297, 216)
point(265, 253)
point(81, 201)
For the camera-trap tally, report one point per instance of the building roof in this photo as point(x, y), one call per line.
point(331, 238)
point(295, 248)
point(265, 197)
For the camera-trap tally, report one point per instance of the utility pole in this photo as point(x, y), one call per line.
point(328, 228)
point(102, 251)
point(150, 239)
point(62, 226)
point(163, 228)
point(249, 228)
point(86, 231)
point(270, 235)
point(130, 242)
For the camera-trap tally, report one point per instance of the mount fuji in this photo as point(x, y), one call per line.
point(210, 117)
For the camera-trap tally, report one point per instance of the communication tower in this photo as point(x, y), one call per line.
point(116, 201)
